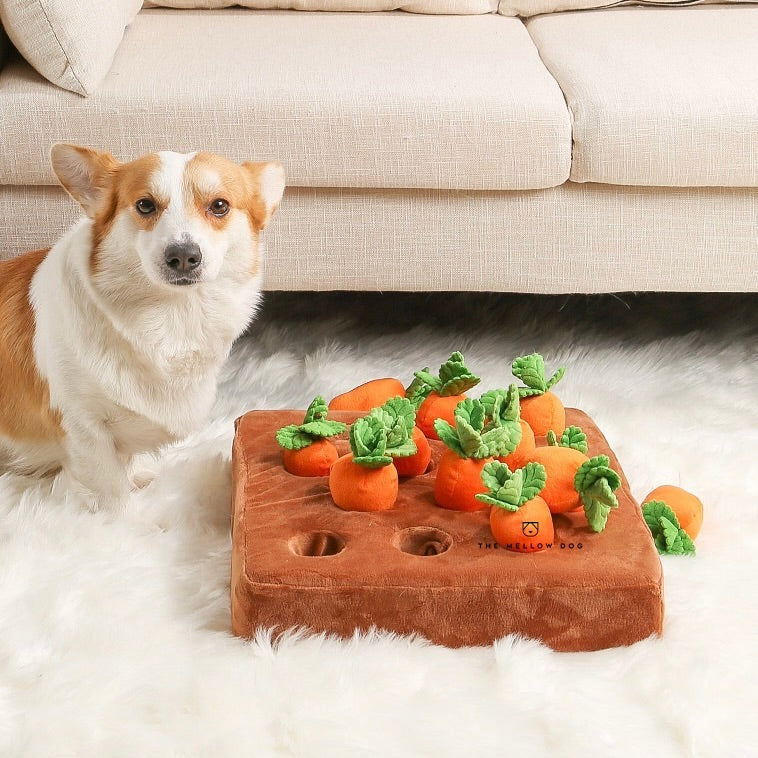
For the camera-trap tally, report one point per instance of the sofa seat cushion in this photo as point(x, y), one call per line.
point(344, 100)
point(665, 97)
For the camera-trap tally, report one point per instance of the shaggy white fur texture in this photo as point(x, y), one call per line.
point(114, 630)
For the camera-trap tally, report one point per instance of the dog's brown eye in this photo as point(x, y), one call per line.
point(219, 207)
point(145, 206)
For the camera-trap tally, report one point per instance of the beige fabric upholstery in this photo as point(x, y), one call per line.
point(535, 7)
point(658, 96)
point(70, 42)
point(575, 238)
point(412, 6)
point(343, 99)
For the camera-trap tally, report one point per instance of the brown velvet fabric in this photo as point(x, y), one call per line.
point(298, 560)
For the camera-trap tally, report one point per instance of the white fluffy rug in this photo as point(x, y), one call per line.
point(114, 631)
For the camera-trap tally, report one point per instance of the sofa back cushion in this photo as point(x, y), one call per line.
point(527, 8)
point(461, 7)
point(70, 42)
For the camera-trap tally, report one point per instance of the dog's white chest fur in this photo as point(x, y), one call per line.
point(147, 371)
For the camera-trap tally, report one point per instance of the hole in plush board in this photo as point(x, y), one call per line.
point(317, 544)
point(423, 541)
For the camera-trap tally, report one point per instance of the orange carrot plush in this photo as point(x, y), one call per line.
point(519, 518)
point(470, 448)
point(306, 449)
point(687, 508)
point(574, 480)
point(438, 396)
point(399, 418)
point(540, 407)
point(502, 406)
point(367, 396)
point(365, 479)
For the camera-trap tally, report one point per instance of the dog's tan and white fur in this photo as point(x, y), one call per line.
point(111, 342)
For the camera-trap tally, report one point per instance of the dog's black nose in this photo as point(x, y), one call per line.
point(183, 256)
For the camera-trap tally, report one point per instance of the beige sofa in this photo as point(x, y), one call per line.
point(589, 151)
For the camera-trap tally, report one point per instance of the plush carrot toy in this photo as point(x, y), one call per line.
point(399, 418)
point(365, 479)
point(367, 396)
point(519, 518)
point(668, 535)
point(574, 480)
point(540, 407)
point(438, 396)
point(470, 448)
point(502, 406)
point(686, 507)
point(306, 449)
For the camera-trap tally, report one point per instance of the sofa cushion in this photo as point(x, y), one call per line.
point(350, 100)
point(663, 97)
point(527, 8)
point(70, 43)
point(412, 6)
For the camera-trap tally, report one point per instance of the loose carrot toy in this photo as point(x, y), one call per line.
point(367, 396)
point(540, 407)
point(470, 448)
point(687, 508)
point(501, 406)
point(668, 535)
point(306, 449)
point(519, 518)
point(438, 396)
point(399, 418)
point(365, 479)
point(574, 480)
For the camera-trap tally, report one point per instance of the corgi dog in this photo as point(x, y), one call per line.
point(112, 340)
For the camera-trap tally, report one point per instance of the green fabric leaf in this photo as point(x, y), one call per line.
point(535, 478)
point(575, 438)
point(448, 436)
point(425, 379)
point(502, 440)
point(653, 511)
point(501, 405)
point(418, 390)
point(556, 377)
point(323, 428)
point(667, 533)
point(594, 469)
point(317, 410)
point(470, 439)
point(531, 370)
point(495, 474)
point(552, 440)
point(598, 500)
point(368, 441)
point(454, 376)
point(529, 392)
point(398, 417)
point(472, 412)
point(291, 438)
point(494, 501)
point(508, 489)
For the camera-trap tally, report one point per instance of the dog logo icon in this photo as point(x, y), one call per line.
point(530, 528)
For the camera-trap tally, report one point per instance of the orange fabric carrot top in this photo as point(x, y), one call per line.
point(307, 451)
point(437, 396)
point(540, 407)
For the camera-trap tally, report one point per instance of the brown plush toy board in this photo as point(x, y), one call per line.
point(300, 561)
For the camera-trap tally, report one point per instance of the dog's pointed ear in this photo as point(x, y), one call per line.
point(83, 172)
point(267, 182)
